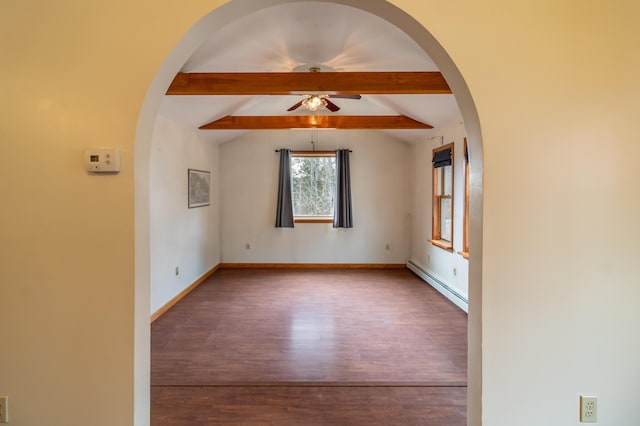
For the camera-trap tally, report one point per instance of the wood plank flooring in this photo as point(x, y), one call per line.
point(313, 347)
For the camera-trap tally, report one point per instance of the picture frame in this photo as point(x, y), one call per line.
point(199, 188)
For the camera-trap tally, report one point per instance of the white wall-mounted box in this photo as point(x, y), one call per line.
point(103, 160)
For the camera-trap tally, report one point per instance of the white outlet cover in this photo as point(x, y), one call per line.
point(588, 409)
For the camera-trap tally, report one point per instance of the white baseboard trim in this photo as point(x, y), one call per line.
point(442, 287)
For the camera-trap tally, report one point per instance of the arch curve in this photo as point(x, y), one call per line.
point(224, 15)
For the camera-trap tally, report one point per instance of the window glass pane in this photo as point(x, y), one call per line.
point(447, 180)
point(313, 181)
point(445, 219)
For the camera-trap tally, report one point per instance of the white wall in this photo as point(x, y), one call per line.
point(180, 237)
point(436, 261)
point(380, 191)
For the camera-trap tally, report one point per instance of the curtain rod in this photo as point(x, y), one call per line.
point(310, 152)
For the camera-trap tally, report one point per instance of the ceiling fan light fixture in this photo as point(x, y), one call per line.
point(313, 102)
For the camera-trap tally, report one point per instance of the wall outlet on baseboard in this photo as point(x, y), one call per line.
point(4, 409)
point(588, 409)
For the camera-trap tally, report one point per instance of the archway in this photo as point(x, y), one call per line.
point(229, 13)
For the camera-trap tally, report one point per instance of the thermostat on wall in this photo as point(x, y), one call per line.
point(102, 160)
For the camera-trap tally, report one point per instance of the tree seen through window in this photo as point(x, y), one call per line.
point(313, 181)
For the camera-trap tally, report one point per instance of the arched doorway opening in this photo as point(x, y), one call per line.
point(229, 13)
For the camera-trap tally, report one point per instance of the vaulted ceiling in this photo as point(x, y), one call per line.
point(247, 74)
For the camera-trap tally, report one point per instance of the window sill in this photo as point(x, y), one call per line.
point(464, 254)
point(445, 245)
point(313, 220)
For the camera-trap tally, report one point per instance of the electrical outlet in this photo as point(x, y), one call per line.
point(4, 409)
point(387, 246)
point(177, 271)
point(248, 246)
point(588, 409)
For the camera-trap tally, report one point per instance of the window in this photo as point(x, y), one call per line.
point(465, 228)
point(313, 181)
point(442, 218)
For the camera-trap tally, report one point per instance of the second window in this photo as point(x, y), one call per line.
point(442, 218)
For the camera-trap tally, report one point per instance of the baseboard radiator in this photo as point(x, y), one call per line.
point(442, 287)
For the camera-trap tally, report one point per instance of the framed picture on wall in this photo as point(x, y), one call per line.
point(199, 188)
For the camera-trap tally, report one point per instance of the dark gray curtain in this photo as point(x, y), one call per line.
point(284, 212)
point(342, 216)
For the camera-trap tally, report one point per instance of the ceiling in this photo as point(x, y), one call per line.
point(293, 37)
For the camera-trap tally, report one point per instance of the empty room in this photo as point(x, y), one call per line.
point(309, 228)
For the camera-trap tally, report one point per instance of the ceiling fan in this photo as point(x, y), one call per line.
point(313, 102)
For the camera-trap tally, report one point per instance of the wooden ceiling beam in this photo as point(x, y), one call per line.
point(379, 122)
point(299, 83)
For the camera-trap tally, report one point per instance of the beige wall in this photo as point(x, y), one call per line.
point(556, 88)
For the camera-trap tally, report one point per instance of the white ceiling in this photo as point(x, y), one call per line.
point(294, 37)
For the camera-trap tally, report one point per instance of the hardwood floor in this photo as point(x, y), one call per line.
point(314, 347)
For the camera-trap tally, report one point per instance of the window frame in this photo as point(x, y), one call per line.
point(436, 218)
point(312, 219)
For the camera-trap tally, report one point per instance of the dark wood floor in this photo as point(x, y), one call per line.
point(313, 347)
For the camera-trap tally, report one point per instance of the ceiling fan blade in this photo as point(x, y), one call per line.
point(346, 96)
point(331, 106)
point(296, 106)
